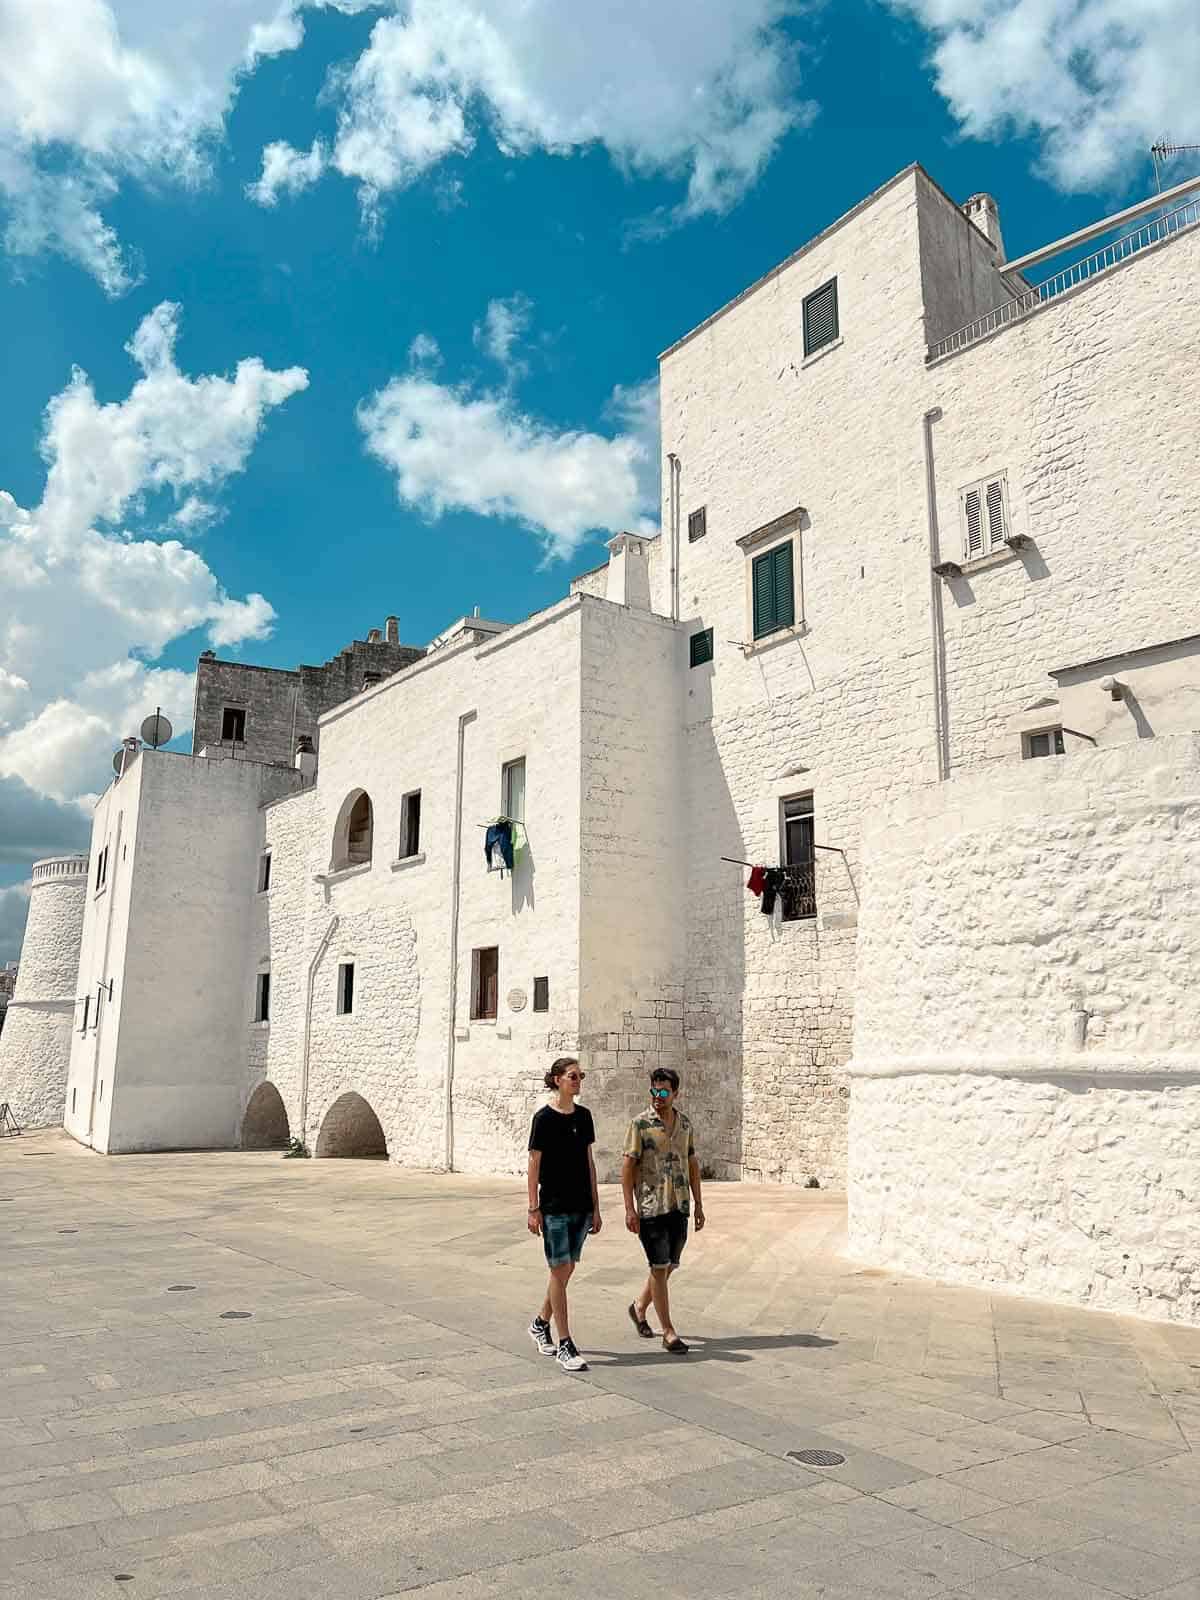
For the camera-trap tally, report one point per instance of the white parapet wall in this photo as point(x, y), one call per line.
point(36, 1045)
point(1025, 1106)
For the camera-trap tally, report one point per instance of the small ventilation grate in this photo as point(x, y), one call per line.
point(816, 1458)
point(231, 1316)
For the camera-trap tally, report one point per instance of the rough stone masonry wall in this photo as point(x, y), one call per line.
point(1026, 1079)
point(35, 1049)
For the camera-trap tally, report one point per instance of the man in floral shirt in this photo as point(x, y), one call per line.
point(660, 1176)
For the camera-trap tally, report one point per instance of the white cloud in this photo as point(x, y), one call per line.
point(14, 908)
point(452, 450)
point(1095, 80)
point(285, 169)
point(504, 323)
point(700, 91)
point(93, 606)
point(424, 351)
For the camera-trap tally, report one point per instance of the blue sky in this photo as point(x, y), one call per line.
point(541, 197)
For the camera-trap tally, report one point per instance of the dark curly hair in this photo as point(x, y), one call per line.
point(556, 1070)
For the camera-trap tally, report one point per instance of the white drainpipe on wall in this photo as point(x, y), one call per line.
point(673, 530)
point(308, 1004)
point(941, 731)
point(455, 897)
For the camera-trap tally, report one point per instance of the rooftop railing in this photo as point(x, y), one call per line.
point(1024, 305)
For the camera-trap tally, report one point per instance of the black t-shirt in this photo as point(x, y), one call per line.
point(563, 1137)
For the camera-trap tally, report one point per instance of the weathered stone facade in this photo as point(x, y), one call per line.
point(279, 707)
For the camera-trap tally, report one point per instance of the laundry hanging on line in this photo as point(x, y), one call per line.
point(503, 844)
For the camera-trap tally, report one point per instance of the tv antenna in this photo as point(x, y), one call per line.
point(1161, 151)
point(156, 730)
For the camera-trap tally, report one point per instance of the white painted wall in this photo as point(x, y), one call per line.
point(1026, 1081)
point(35, 1047)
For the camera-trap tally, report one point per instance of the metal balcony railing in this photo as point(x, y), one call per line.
point(1023, 305)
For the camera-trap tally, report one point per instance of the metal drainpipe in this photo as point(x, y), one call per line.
point(308, 1003)
point(672, 532)
point(937, 628)
point(455, 897)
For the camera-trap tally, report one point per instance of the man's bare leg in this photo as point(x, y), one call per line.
point(662, 1300)
point(646, 1296)
point(555, 1303)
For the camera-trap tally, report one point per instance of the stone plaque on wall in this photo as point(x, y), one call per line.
point(517, 999)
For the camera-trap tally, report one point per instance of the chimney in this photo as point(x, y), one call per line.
point(982, 210)
point(628, 572)
point(391, 630)
point(374, 636)
point(306, 758)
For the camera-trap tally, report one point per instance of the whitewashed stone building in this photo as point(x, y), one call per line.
point(923, 526)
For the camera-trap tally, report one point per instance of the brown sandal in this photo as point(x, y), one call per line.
point(640, 1323)
point(675, 1346)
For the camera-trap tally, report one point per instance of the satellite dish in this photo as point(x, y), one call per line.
point(156, 730)
point(118, 759)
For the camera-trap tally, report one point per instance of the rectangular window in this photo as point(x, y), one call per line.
point(264, 872)
point(697, 524)
point(72, 1102)
point(799, 894)
point(410, 823)
point(1047, 742)
point(773, 583)
point(262, 998)
point(101, 1095)
point(102, 868)
point(820, 317)
point(87, 1011)
point(984, 513)
point(701, 647)
point(512, 790)
point(485, 984)
point(233, 725)
point(541, 994)
point(345, 989)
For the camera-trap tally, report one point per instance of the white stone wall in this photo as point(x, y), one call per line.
point(35, 1047)
point(1026, 1080)
point(164, 1067)
point(847, 704)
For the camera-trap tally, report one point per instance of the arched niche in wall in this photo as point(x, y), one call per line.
point(265, 1124)
point(351, 1129)
point(353, 834)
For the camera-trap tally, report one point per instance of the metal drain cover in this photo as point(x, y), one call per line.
point(232, 1316)
point(174, 1288)
point(123, 1577)
point(816, 1458)
point(68, 1230)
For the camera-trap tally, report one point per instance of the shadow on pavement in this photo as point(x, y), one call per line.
point(739, 1347)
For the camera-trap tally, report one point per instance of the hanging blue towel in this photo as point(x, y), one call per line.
point(497, 842)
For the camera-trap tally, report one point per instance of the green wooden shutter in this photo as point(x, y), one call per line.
point(773, 584)
point(785, 605)
point(701, 647)
point(764, 595)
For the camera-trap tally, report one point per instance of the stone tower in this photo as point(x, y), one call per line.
point(35, 1048)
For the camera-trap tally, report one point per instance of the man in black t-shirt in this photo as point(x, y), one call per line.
point(564, 1205)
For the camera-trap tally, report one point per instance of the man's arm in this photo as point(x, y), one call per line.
point(694, 1181)
point(534, 1172)
point(595, 1192)
point(629, 1171)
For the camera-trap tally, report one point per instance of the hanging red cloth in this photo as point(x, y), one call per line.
point(755, 881)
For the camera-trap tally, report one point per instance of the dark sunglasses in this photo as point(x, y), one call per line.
point(661, 1094)
point(575, 1077)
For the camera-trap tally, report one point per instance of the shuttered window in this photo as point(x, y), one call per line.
point(820, 317)
point(701, 647)
point(985, 522)
point(541, 994)
point(697, 524)
point(774, 591)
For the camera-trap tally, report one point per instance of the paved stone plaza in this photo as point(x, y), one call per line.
point(242, 1378)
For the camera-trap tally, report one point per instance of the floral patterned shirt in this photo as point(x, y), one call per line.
point(662, 1177)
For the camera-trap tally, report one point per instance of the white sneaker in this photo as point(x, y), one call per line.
point(569, 1358)
point(539, 1332)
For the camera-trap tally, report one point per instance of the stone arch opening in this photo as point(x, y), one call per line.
point(353, 834)
point(265, 1124)
point(351, 1129)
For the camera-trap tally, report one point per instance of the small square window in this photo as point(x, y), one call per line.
point(262, 998)
point(512, 790)
point(233, 725)
point(541, 994)
point(485, 984)
point(345, 989)
point(1046, 742)
point(264, 872)
point(697, 524)
point(701, 647)
point(410, 824)
point(820, 312)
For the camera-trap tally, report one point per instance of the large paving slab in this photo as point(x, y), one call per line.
point(235, 1377)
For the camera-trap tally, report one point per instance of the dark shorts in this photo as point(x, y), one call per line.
point(663, 1238)
point(563, 1234)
